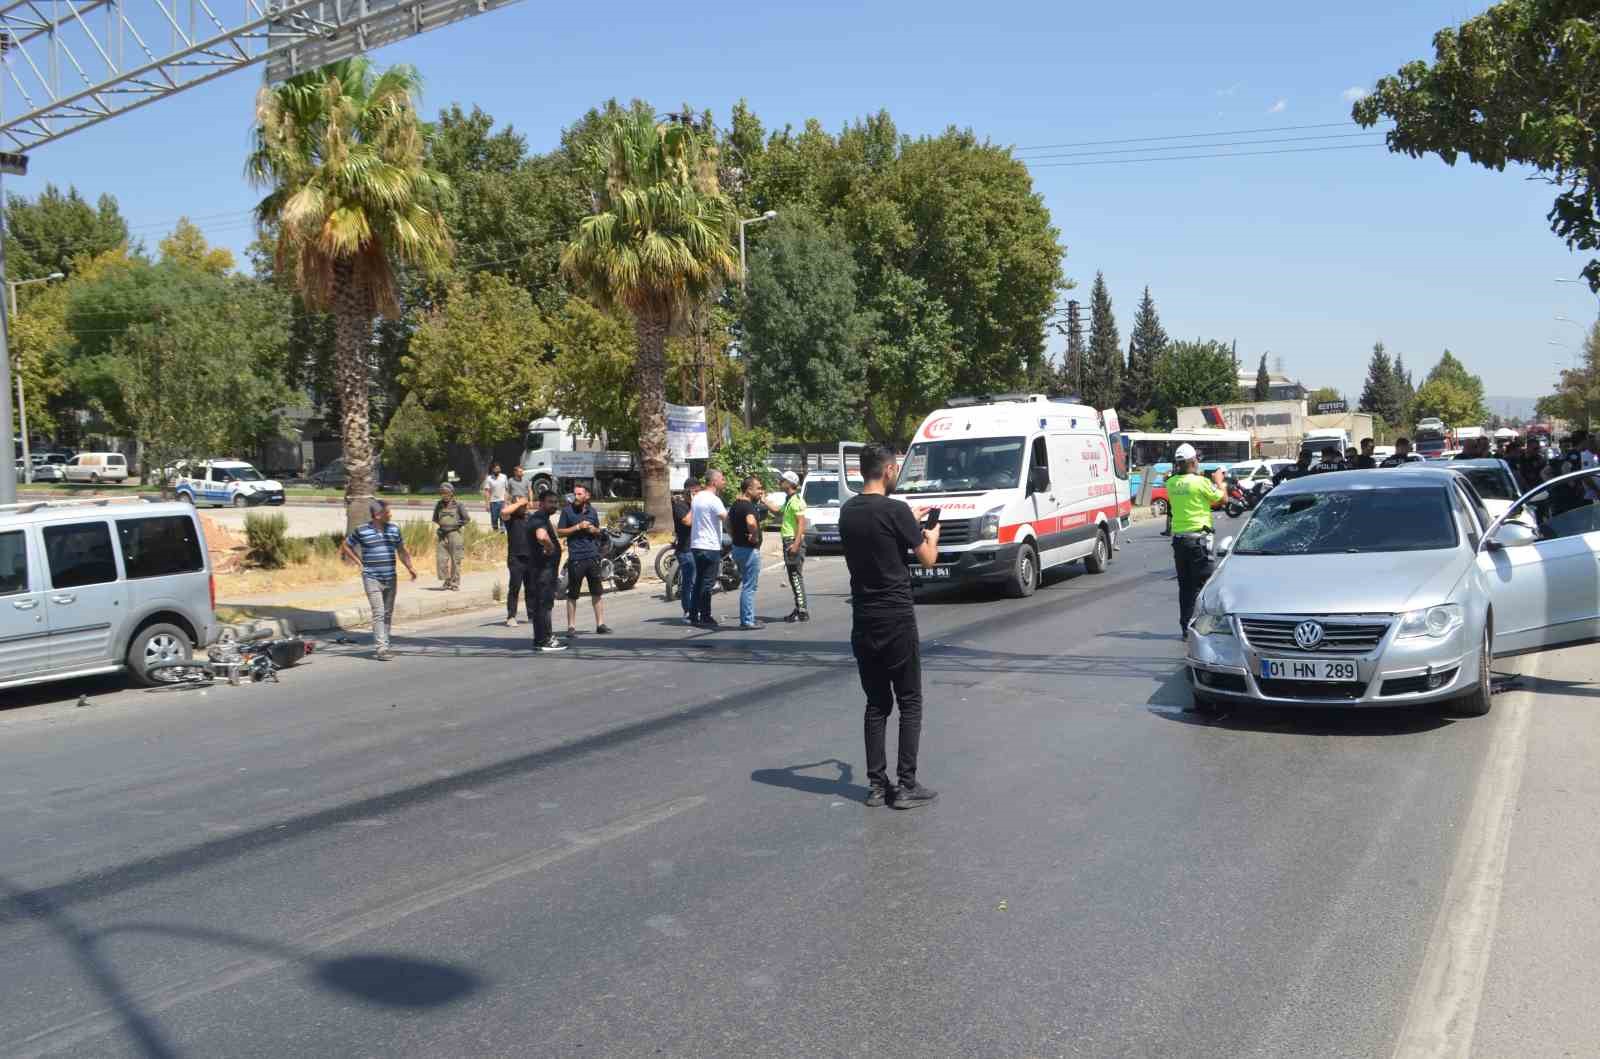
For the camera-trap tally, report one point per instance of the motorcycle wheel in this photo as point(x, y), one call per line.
point(666, 564)
point(627, 573)
point(1234, 509)
point(728, 576)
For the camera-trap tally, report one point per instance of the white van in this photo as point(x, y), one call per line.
point(1023, 484)
point(97, 467)
point(100, 586)
point(820, 491)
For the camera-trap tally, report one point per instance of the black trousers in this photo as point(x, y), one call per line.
point(1193, 560)
point(521, 584)
point(889, 659)
point(542, 600)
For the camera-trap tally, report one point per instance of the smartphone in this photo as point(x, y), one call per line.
point(932, 519)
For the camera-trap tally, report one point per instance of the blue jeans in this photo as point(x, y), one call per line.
point(686, 581)
point(494, 514)
point(749, 562)
point(706, 564)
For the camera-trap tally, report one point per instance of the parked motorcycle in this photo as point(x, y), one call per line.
point(1237, 501)
point(619, 550)
point(667, 569)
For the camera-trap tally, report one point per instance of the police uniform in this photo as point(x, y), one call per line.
point(1189, 498)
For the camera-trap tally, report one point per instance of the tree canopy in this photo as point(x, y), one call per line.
point(1194, 373)
point(52, 232)
point(1102, 372)
point(1515, 84)
point(1145, 346)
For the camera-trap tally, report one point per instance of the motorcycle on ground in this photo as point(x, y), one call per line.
point(619, 550)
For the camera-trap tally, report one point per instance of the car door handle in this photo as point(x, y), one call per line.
point(63, 599)
point(25, 604)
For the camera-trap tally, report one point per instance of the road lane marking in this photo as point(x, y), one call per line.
point(98, 1023)
point(1443, 1013)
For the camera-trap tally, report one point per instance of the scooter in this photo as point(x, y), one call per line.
point(1237, 500)
point(619, 550)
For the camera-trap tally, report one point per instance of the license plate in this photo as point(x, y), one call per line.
point(931, 573)
point(830, 537)
point(1308, 669)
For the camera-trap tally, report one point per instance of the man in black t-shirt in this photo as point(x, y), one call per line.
point(544, 546)
point(514, 518)
point(877, 533)
point(682, 520)
point(580, 527)
point(1366, 461)
point(744, 530)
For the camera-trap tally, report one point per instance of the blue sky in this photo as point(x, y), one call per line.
point(1311, 256)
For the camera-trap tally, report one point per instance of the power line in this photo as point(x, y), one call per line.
point(1224, 154)
point(1268, 142)
point(1184, 136)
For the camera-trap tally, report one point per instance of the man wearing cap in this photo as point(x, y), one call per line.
point(792, 530)
point(379, 542)
point(450, 516)
point(1190, 497)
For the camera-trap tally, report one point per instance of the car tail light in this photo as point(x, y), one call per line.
point(212, 580)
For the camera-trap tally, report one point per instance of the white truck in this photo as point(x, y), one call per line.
point(553, 457)
point(226, 483)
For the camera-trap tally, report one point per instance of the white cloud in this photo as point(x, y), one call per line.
point(1355, 93)
point(1230, 89)
point(1279, 107)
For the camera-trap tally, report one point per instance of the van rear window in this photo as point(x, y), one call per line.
point(156, 547)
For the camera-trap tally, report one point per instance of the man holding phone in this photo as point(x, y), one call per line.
point(877, 533)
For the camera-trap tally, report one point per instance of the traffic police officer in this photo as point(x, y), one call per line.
point(1190, 496)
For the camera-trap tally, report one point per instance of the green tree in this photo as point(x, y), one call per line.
point(908, 364)
point(50, 233)
point(412, 447)
point(1448, 401)
point(477, 363)
point(342, 151)
point(657, 245)
point(187, 246)
point(1577, 392)
point(594, 372)
point(1513, 85)
point(747, 452)
point(1145, 346)
point(187, 362)
point(1072, 359)
point(1102, 372)
point(1452, 371)
point(803, 332)
point(1403, 389)
point(1380, 395)
point(1322, 395)
point(1194, 373)
point(1263, 389)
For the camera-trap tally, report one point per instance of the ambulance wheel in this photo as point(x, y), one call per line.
point(1096, 561)
point(1024, 577)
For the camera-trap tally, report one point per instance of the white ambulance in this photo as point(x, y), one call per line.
point(1024, 483)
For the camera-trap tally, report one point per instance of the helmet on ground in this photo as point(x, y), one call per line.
point(1186, 452)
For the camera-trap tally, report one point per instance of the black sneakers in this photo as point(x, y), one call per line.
point(602, 630)
point(796, 615)
point(551, 644)
point(876, 796)
point(911, 795)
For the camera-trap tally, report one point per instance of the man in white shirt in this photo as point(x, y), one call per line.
point(494, 494)
point(706, 517)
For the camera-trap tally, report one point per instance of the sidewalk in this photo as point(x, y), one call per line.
point(344, 605)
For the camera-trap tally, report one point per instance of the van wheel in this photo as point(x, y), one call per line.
point(187, 498)
point(1096, 561)
point(1024, 577)
point(240, 501)
point(157, 643)
point(1476, 702)
point(94, 479)
point(542, 484)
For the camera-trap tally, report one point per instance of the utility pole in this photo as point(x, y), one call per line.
point(15, 165)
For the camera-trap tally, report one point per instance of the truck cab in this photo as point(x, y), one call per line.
point(553, 457)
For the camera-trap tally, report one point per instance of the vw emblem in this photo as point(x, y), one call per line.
point(1308, 634)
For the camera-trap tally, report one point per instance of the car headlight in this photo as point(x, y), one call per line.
point(1210, 622)
point(1432, 621)
point(989, 525)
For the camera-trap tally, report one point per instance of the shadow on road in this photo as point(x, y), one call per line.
point(1170, 700)
point(792, 778)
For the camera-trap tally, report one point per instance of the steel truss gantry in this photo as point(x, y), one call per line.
point(70, 64)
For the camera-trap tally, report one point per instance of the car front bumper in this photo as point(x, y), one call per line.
point(1398, 672)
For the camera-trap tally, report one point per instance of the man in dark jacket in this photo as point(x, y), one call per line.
point(450, 518)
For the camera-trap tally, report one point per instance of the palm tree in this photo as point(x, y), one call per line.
point(342, 150)
point(657, 244)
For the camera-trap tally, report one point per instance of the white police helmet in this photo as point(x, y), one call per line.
point(1186, 452)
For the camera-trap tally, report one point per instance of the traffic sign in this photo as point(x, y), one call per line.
point(13, 164)
point(1325, 408)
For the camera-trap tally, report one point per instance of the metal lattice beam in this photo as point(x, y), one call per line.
point(70, 64)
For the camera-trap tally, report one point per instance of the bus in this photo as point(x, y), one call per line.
point(1217, 448)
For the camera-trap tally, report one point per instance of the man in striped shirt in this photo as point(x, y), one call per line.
point(379, 542)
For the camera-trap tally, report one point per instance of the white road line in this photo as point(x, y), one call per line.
point(99, 1023)
point(1443, 1013)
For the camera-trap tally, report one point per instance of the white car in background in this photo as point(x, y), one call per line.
point(1253, 473)
point(820, 491)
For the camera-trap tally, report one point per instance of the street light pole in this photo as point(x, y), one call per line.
point(22, 401)
point(744, 275)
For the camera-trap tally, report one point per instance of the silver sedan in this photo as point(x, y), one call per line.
point(1394, 587)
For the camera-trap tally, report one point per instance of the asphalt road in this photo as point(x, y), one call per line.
point(654, 845)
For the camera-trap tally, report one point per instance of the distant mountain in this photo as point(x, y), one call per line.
point(1510, 407)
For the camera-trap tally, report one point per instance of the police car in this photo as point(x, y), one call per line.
point(227, 483)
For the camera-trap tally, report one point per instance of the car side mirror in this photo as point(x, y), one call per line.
point(1511, 535)
point(1039, 480)
point(1225, 545)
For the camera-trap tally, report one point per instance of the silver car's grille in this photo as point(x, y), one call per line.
point(1339, 637)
